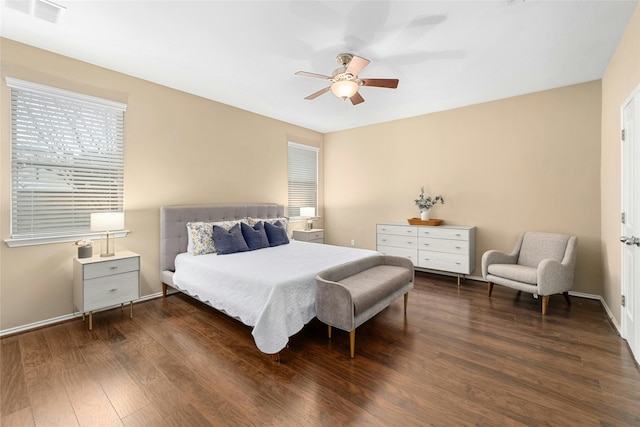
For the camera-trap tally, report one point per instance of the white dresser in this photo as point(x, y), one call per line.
point(101, 282)
point(443, 248)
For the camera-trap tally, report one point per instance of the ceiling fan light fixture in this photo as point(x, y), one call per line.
point(344, 88)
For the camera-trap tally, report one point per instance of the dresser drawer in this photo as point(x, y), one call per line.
point(107, 268)
point(444, 245)
point(110, 290)
point(409, 242)
point(412, 254)
point(399, 230)
point(443, 261)
point(444, 233)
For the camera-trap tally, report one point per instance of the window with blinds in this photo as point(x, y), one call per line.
point(67, 160)
point(303, 178)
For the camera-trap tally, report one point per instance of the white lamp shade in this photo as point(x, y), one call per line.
point(344, 88)
point(308, 212)
point(107, 221)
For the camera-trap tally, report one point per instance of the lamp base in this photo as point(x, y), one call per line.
point(309, 225)
point(106, 254)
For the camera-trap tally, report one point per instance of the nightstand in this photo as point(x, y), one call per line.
point(101, 282)
point(315, 235)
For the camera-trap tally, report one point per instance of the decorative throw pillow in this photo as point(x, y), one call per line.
point(255, 236)
point(284, 221)
point(200, 236)
point(229, 241)
point(276, 234)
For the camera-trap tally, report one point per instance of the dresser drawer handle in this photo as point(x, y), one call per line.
point(426, 244)
point(384, 240)
point(408, 231)
point(114, 267)
point(457, 247)
point(409, 243)
point(113, 290)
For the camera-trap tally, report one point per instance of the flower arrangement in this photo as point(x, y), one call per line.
point(83, 243)
point(425, 203)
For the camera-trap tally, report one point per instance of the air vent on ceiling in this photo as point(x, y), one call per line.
point(43, 9)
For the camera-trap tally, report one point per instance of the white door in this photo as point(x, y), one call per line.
point(630, 236)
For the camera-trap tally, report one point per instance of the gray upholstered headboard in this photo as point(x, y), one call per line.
point(174, 219)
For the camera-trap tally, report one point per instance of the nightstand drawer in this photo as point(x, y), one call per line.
point(313, 236)
point(107, 268)
point(110, 290)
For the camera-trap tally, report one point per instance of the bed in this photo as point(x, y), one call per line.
point(271, 290)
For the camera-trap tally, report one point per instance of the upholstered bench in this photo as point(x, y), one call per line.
point(349, 294)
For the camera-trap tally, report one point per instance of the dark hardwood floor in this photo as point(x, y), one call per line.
point(457, 359)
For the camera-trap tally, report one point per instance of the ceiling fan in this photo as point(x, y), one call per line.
point(345, 81)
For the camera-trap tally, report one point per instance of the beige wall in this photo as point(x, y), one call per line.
point(179, 148)
point(620, 79)
point(530, 162)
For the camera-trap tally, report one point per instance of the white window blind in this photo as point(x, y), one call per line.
point(67, 160)
point(303, 178)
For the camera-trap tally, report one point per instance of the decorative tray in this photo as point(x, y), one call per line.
point(418, 221)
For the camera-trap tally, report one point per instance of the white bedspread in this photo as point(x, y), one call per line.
point(271, 289)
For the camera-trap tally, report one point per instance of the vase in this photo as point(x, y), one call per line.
point(85, 251)
point(424, 215)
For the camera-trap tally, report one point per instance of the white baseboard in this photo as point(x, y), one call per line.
point(64, 318)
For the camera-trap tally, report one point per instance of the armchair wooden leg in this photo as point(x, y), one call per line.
point(406, 299)
point(489, 288)
point(352, 343)
point(566, 297)
point(164, 290)
point(545, 303)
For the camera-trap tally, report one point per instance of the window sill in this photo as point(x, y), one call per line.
point(46, 240)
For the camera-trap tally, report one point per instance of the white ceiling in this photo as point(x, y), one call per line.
point(245, 53)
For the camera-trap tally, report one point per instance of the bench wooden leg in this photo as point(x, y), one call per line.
point(406, 299)
point(329, 330)
point(352, 343)
point(489, 288)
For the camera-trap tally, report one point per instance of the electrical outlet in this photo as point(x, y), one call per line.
point(353, 242)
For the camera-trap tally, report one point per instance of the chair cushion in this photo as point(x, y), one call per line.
point(539, 246)
point(518, 273)
point(375, 284)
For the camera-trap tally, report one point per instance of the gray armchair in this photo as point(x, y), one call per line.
point(540, 263)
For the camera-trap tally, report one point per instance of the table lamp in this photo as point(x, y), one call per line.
point(308, 213)
point(108, 222)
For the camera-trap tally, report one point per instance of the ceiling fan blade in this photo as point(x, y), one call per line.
point(388, 83)
point(307, 74)
point(356, 98)
point(318, 93)
point(356, 65)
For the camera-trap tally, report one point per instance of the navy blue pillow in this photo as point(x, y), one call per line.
point(229, 242)
point(255, 236)
point(276, 234)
